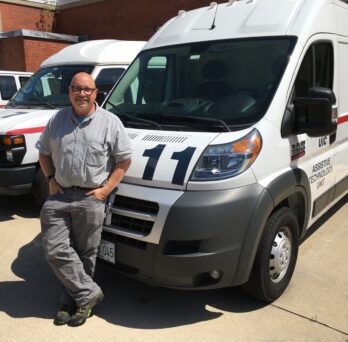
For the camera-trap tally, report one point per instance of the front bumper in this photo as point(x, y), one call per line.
point(203, 231)
point(16, 180)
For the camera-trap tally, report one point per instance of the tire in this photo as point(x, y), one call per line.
point(275, 258)
point(40, 188)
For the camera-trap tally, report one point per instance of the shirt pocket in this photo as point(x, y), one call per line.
point(96, 154)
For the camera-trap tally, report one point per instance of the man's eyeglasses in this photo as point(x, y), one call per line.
point(77, 90)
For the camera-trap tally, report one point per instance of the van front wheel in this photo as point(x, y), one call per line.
point(275, 258)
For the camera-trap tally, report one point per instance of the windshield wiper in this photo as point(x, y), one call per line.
point(14, 104)
point(41, 102)
point(183, 118)
point(10, 103)
point(134, 118)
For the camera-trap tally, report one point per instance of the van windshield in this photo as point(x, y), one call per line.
point(210, 86)
point(48, 87)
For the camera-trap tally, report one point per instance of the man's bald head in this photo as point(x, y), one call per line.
point(83, 77)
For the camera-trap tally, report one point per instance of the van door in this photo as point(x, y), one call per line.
point(341, 156)
point(315, 155)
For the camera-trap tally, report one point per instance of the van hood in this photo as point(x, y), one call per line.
point(24, 121)
point(166, 159)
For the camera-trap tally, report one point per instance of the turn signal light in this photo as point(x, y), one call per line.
point(18, 140)
point(6, 141)
point(15, 140)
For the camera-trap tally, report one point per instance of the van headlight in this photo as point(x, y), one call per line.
point(228, 160)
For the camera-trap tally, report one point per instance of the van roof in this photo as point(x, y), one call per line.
point(10, 72)
point(103, 51)
point(251, 18)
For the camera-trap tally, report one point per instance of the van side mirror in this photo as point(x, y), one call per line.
point(315, 115)
point(101, 96)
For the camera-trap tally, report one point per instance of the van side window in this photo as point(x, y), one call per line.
point(316, 69)
point(23, 80)
point(107, 78)
point(152, 83)
point(7, 87)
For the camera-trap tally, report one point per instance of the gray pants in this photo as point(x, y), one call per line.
point(71, 225)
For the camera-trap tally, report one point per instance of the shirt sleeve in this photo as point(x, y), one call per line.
point(43, 142)
point(121, 148)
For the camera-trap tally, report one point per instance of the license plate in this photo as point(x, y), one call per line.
point(107, 251)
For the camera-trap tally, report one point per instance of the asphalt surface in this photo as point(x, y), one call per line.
point(314, 307)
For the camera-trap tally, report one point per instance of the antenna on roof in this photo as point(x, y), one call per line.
point(212, 4)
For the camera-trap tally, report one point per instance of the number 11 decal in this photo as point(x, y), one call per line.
point(183, 158)
point(154, 155)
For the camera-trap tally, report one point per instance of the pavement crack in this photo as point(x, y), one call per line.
point(311, 320)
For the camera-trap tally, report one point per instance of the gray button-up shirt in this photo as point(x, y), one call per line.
point(84, 154)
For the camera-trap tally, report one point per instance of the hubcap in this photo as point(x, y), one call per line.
point(280, 254)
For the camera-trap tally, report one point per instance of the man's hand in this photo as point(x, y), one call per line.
point(100, 194)
point(115, 178)
point(55, 187)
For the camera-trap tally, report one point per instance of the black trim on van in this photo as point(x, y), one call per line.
point(329, 196)
point(293, 182)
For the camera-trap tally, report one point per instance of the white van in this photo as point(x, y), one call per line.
point(10, 82)
point(28, 112)
point(238, 115)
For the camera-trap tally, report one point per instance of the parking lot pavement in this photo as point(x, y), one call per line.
point(314, 308)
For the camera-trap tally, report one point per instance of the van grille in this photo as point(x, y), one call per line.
point(132, 136)
point(131, 215)
point(124, 240)
point(169, 138)
point(123, 202)
point(131, 223)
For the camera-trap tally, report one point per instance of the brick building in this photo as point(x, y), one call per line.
point(32, 30)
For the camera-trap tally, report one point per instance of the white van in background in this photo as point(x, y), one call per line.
point(10, 82)
point(28, 112)
point(238, 116)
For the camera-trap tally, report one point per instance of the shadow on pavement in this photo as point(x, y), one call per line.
point(127, 302)
point(34, 294)
point(23, 206)
point(133, 304)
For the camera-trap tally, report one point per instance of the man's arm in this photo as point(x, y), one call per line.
point(48, 169)
point(114, 180)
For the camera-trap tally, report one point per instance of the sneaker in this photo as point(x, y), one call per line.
point(63, 315)
point(85, 311)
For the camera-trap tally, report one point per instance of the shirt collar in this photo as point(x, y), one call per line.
point(88, 118)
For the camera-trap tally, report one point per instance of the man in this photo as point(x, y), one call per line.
point(84, 153)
